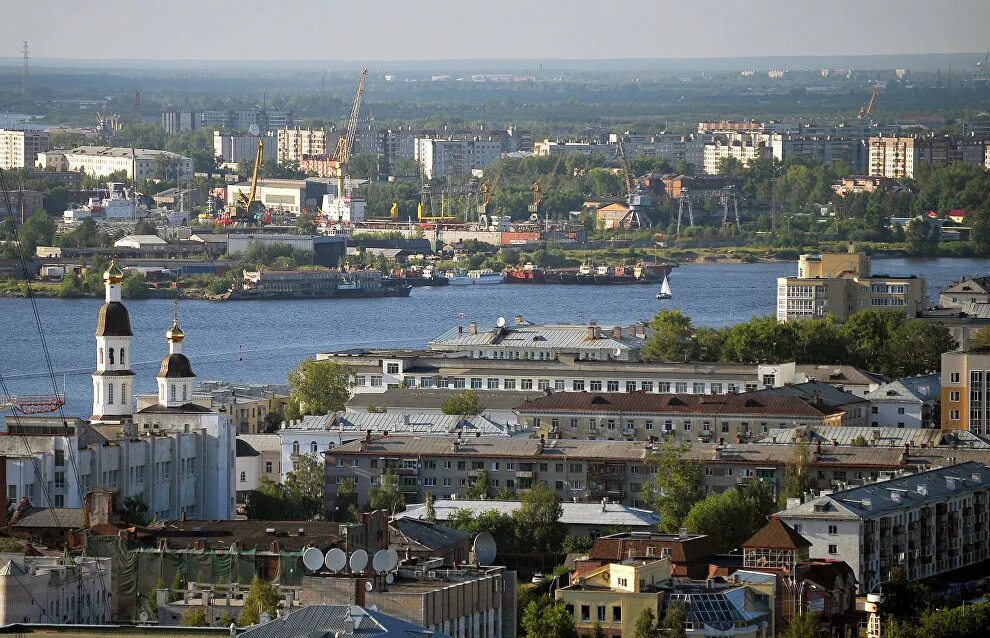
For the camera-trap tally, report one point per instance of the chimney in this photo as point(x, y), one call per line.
point(616, 332)
point(682, 533)
point(460, 329)
point(473, 327)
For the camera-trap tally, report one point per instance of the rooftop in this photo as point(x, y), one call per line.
point(559, 337)
point(329, 621)
point(875, 436)
point(357, 423)
point(221, 535)
point(119, 151)
point(921, 388)
point(748, 403)
point(260, 442)
point(605, 515)
point(432, 399)
point(777, 534)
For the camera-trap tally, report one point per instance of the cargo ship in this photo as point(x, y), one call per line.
point(590, 275)
point(318, 284)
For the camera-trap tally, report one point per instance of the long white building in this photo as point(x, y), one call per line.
point(137, 163)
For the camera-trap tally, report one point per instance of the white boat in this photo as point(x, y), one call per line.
point(486, 277)
point(459, 278)
point(665, 290)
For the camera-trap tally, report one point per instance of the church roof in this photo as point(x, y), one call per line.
point(113, 321)
point(185, 408)
point(176, 366)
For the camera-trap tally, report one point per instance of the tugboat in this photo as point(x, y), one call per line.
point(665, 290)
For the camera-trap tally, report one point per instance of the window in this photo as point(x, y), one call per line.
point(475, 383)
point(601, 613)
point(59, 457)
point(680, 387)
point(543, 384)
point(687, 426)
point(426, 382)
point(578, 386)
point(430, 481)
point(954, 415)
point(492, 384)
point(360, 380)
point(510, 384)
point(954, 397)
point(630, 386)
point(59, 480)
point(833, 530)
point(874, 409)
point(171, 393)
point(698, 388)
point(575, 468)
point(559, 385)
point(101, 355)
point(295, 447)
point(649, 425)
point(833, 549)
point(313, 447)
point(613, 386)
point(585, 613)
point(954, 377)
point(574, 423)
point(376, 380)
point(715, 388)
point(110, 356)
point(900, 410)
point(392, 368)
point(185, 391)
point(596, 386)
point(122, 361)
point(526, 384)
point(647, 386)
point(110, 393)
point(663, 386)
point(616, 614)
point(243, 477)
point(268, 467)
point(495, 466)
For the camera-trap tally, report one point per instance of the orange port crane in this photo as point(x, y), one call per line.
point(338, 163)
point(866, 110)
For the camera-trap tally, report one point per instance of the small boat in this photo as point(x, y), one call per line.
point(459, 277)
point(486, 276)
point(665, 290)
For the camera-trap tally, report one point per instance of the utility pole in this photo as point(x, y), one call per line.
point(25, 51)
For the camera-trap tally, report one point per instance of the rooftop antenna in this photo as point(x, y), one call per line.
point(25, 51)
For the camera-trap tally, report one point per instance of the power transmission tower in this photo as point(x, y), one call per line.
point(683, 198)
point(729, 192)
point(25, 51)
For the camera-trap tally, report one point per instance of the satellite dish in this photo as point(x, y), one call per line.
point(617, 351)
point(484, 549)
point(254, 130)
point(143, 616)
point(312, 558)
point(336, 560)
point(393, 559)
point(379, 562)
point(389, 579)
point(368, 586)
point(359, 560)
point(501, 322)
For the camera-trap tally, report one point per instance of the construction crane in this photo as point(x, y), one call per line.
point(338, 163)
point(866, 110)
point(542, 186)
point(634, 198)
point(242, 203)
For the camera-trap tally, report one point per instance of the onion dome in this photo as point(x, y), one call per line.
point(175, 333)
point(176, 366)
point(113, 321)
point(113, 275)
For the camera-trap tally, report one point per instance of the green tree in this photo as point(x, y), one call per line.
point(345, 503)
point(145, 227)
point(675, 487)
point(538, 518)
point(320, 387)
point(547, 621)
point(805, 626)
point(463, 404)
point(135, 511)
point(388, 496)
point(305, 486)
point(431, 510)
point(916, 347)
point(195, 618)
point(262, 597)
point(921, 237)
point(673, 621)
point(576, 544)
point(597, 631)
point(967, 621)
point(646, 625)
point(478, 486)
point(868, 334)
point(268, 502)
point(798, 477)
point(903, 600)
point(672, 338)
point(135, 286)
point(980, 338)
point(747, 507)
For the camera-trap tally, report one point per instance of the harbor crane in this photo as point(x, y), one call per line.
point(729, 193)
point(683, 198)
point(866, 110)
point(635, 199)
point(542, 186)
point(241, 212)
point(345, 145)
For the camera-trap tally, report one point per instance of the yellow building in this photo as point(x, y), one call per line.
point(841, 284)
point(611, 216)
point(965, 375)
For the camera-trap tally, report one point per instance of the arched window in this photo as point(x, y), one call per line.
point(295, 447)
point(101, 355)
point(313, 448)
point(109, 394)
point(243, 477)
point(110, 356)
point(122, 360)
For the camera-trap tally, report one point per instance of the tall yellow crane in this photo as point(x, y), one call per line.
point(242, 204)
point(346, 143)
point(866, 110)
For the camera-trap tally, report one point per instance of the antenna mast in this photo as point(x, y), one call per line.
point(25, 51)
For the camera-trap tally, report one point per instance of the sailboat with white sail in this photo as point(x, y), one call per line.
point(665, 290)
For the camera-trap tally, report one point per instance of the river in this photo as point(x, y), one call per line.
point(260, 341)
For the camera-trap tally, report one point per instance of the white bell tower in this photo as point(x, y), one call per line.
point(175, 376)
point(113, 381)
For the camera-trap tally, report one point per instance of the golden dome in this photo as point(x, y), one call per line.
point(114, 274)
point(175, 332)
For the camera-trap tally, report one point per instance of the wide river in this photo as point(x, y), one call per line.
point(260, 341)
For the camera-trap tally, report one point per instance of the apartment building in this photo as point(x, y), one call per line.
point(19, 149)
point(906, 403)
point(852, 151)
point(856, 184)
point(965, 392)
point(137, 163)
point(742, 147)
point(234, 149)
point(841, 284)
point(966, 291)
point(49, 591)
point(685, 417)
point(295, 143)
point(899, 157)
point(455, 158)
point(592, 470)
point(927, 523)
point(259, 456)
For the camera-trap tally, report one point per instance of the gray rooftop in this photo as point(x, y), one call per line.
point(559, 337)
point(869, 501)
point(58, 517)
point(829, 395)
point(920, 389)
point(433, 398)
point(355, 422)
point(875, 436)
point(262, 442)
point(610, 514)
point(328, 621)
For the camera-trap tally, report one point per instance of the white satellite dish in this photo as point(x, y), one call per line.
point(312, 559)
point(359, 560)
point(254, 130)
point(336, 560)
point(393, 559)
point(484, 549)
point(501, 322)
point(368, 586)
point(617, 351)
point(389, 579)
point(379, 562)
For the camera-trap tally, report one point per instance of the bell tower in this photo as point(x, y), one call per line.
point(113, 380)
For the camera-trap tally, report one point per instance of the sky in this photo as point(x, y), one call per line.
point(491, 29)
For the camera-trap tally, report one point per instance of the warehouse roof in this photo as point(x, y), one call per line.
point(749, 403)
point(605, 515)
point(540, 336)
point(355, 422)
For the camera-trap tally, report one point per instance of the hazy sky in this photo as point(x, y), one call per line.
point(434, 29)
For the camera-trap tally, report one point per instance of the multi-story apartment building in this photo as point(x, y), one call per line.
point(855, 184)
point(259, 456)
point(48, 590)
point(852, 151)
point(137, 163)
point(440, 158)
point(686, 417)
point(899, 157)
point(841, 284)
point(294, 143)
point(593, 470)
point(19, 149)
point(742, 147)
point(927, 523)
point(234, 149)
point(966, 291)
point(965, 391)
point(906, 403)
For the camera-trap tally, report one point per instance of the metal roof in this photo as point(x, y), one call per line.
point(328, 621)
point(876, 436)
point(262, 442)
point(560, 337)
point(355, 422)
point(753, 404)
point(609, 514)
point(921, 389)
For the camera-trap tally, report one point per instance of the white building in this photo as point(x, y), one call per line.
point(233, 149)
point(259, 456)
point(137, 163)
point(19, 149)
point(139, 241)
point(743, 148)
point(442, 158)
point(905, 403)
point(46, 590)
point(927, 523)
point(347, 209)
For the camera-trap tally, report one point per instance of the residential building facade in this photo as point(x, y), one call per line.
point(906, 403)
point(46, 590)
point(965, 391)
point(968, 290)
point(443, 158)
point(19, 149)
point(234, 149)
point(900, 157)
point(138, 164)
